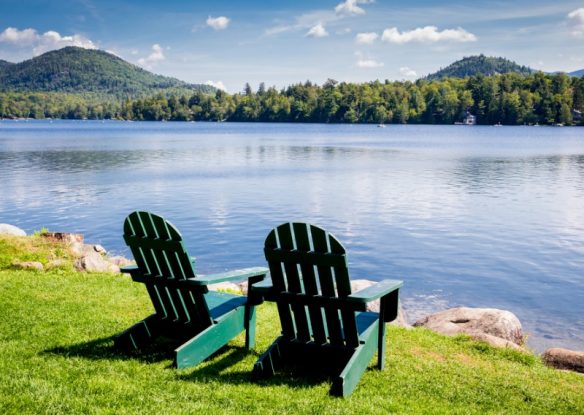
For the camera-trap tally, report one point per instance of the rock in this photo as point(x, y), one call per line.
point(94, 262)
point(225, 286)
point(66, 237)
point(77, 249)
point(6, 229)
point(399, 321)
point(120, 261)
point(564, 359)
point(80, 249)
point(243, 287)
point(499, 328)
point(30, 265)
point(99, 249)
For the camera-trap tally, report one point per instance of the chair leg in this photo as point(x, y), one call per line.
point(268, 362)
point(381, 336)
point(139, 335)
point(381, 346)
point(250, 326)
point(210, 340)
point(346, 382)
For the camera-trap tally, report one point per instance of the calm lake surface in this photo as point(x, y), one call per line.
point(466, 216)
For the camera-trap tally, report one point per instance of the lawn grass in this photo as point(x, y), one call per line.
point(57, 356)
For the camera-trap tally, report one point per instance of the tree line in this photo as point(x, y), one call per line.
point(510, 99)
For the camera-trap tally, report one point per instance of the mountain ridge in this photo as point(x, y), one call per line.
point(78, 70)
point(479, 65)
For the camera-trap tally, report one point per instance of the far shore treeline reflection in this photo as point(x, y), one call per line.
point(510, 99)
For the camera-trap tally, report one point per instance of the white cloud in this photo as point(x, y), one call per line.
point(407, 72)
point(366, 38)
point(43, 43)
point(427, 34)
point(350, 7)
point(218, 85)
point(218, 23)
point(369, 63)
point(18, 37)
point(576, 22)
point(156, 56)
point(317, 31)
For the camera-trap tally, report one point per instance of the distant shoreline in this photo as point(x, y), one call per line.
point(100, 121)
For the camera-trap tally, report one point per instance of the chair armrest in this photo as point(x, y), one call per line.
point(261, 287)
point(378, 290)
point(129, 269)
point(256, 293)
point(238, 274)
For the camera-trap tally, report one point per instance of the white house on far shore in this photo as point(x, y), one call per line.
point(469, 119)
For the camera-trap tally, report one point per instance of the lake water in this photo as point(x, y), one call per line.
point(472, 216)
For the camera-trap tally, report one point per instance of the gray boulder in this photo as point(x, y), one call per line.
point(564, 359)
point(94, 262)
point(120, 261)
point(6, 229)
point(500, 328)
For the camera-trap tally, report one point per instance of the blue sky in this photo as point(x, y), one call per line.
point(228, 43)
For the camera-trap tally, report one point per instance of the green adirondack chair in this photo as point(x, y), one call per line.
point(185, 310)
point(324, 325)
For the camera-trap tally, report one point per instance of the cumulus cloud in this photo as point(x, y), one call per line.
point(317, 31)
point(218, 84)
point(351, 7)
point(43, 43)
point(218, 23)
point(18, 37)
point(427, 34)
point(407, 72)
point(369, 63)
point(157, 55)
point(576, 22)
point(366, 38)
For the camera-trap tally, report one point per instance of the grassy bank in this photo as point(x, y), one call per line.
point(56, 356)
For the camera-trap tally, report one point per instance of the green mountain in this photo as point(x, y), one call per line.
point(577, 73)
point(4, 64)
point(77, 70)
point(475, 65)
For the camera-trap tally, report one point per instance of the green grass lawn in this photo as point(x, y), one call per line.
point(57, 356)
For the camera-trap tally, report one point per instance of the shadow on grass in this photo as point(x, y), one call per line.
point(103, 349)
point(216, 368)
point(297, 377)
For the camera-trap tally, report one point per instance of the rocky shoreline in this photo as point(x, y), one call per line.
point(499, 328)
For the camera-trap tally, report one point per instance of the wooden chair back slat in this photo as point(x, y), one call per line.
point(280, 285)
point(327, 286)
point(294, 284)
point(310, 284)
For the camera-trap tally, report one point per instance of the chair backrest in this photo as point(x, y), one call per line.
point(310, 276)
point(163, 261)
point(157, 246)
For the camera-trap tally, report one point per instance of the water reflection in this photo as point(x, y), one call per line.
point(463, 217)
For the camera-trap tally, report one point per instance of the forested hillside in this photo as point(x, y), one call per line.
point(77, 70)
point(480, 65)
point(4, 64)
point(510, 99)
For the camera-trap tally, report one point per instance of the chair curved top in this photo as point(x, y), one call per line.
point(303, 237)
point(157, 246)
point(146, 224)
